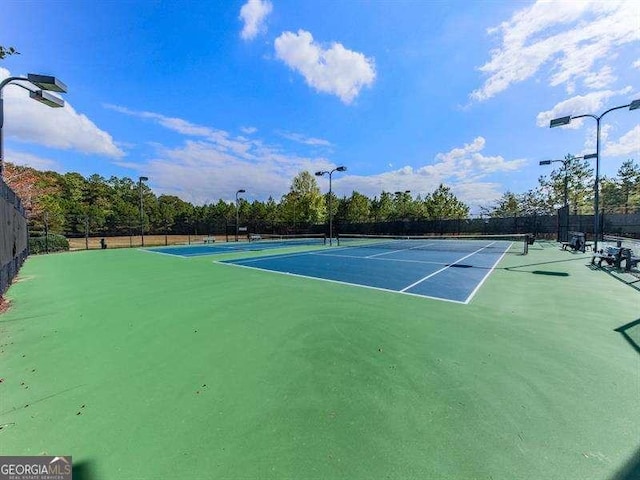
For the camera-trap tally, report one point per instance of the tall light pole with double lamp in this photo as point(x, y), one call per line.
point(330, 173)
point(557, 122)
point(565, 162)
point(44, 84)
point(238, 212)
point(140, 180)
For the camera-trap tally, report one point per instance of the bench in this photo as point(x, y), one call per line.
point(208, 240)
point(254, 237)
point(577, 241)
point(615, 256)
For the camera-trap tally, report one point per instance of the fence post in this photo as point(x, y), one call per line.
point(46, 232)
point(86, 232)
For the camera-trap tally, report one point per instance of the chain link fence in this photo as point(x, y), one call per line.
point(13, 236)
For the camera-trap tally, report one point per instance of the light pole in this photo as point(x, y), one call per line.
point(565, 162)
point(238, 212)
point(557, 122)
point(330, 173)
point(398, 194)
point(45, 84)
point(294, 197)
point(140, 180)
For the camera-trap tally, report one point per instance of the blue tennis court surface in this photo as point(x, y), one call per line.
point(230, 247)
point(449, 272)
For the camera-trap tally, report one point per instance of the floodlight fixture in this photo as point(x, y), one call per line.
point(44, 83)
point(47, 82)
point(564, 162)
point(45, 97)
point(634, 105)
point(557, 122)
point(589, 156)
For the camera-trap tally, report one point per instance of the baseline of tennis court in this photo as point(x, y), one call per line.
point(452, 275)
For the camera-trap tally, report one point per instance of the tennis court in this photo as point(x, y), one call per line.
point(263, 243)
point(444, 268)
point(156, 366)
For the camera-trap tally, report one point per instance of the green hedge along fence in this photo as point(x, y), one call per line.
point(48, 244)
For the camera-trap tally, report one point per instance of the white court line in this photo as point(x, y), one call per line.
point(472, 294)
point(444, 268)
point(403, 291)
point(378, 259)
point(161, 253)
point(340, 282)
point(396, 251)
point(269, 257)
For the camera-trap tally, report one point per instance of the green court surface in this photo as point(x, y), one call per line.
point(146, 366)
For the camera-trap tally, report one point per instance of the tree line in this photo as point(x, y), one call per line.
point(74, 205)
point(572, 183)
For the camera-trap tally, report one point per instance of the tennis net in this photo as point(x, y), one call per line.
point(299, 239)
point(514, 243)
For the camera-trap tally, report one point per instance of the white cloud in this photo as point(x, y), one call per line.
point(627, 144)
point(600, 79)
point(467, 162)
point(248, 130)
point(33, 161)
point(220, 138)
point(335, 70)
point(63, 128)
point(213, 164)
point(200, 173)
point(465, 169)
point(253, 14)
point(636, 64)
point(573, 38)
point(591, 103)
point(300, 138)
point(591, 137)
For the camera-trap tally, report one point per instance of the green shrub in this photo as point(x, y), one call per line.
point(56, 243)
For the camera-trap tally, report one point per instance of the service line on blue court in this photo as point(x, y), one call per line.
point(444, 268)
point(395, 251)
point(371, 257)
point(268, 257)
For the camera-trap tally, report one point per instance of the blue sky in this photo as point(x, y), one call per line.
point(205, 98)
